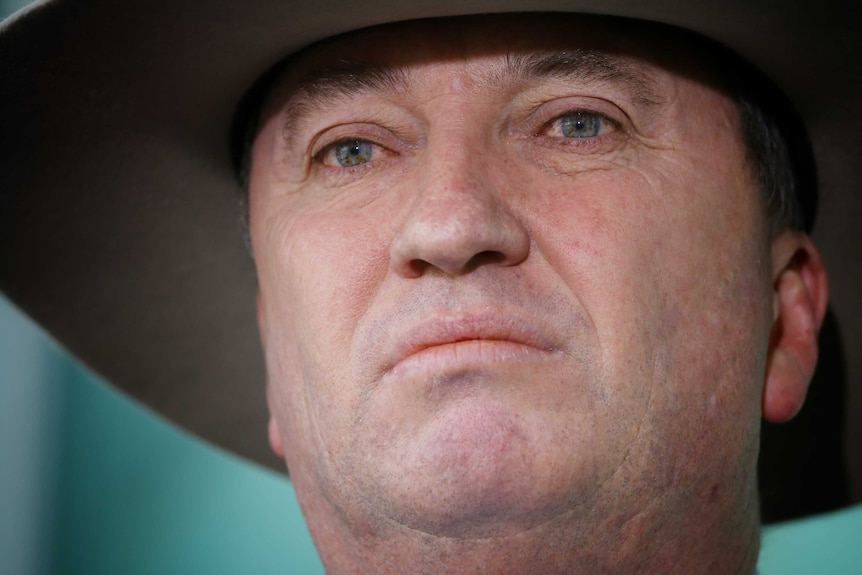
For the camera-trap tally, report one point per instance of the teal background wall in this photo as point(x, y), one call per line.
point(92, 483)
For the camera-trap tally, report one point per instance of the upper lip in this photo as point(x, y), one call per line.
point(447, 328)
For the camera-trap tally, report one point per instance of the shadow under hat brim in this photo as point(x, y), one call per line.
point(119, 218)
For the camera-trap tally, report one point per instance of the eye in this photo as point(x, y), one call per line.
point(348, 153)
point(580, 124)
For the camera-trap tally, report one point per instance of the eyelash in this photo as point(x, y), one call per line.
point(609, 127)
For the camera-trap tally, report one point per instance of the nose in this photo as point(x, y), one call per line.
point(457, 221)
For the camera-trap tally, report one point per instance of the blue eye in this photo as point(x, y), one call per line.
point(581, 125)
point(353, 152)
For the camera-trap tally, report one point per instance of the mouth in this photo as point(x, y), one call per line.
point(453, 342)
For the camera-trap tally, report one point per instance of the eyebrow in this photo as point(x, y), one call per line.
point(588, 66)
point(324, 86)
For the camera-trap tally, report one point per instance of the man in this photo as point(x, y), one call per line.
point(513, 363)
point(524, 291)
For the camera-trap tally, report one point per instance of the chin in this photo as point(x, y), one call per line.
point(478, 469)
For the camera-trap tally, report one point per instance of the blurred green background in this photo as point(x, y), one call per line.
point(92, 483)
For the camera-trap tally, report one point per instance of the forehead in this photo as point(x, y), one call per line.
point(495, 48)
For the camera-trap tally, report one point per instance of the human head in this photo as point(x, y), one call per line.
point(633, 292)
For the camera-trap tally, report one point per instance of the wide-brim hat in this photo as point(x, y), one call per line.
point(119, 219)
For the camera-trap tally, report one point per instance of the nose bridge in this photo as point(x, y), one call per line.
point(455, 190)
point(458, 215)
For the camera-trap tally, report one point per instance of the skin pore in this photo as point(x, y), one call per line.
point(520, 302)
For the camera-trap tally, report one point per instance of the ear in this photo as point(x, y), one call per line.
point(800, 296)
point(272, 427)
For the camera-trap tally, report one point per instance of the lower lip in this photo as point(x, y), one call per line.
point(469, 354)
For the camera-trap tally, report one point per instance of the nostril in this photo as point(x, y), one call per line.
point(415, 268)
point(484, 258)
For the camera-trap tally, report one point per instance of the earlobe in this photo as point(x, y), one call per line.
point(800, 295)
point(275, 437)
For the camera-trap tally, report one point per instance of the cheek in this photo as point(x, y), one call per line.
point(316, 282)
point(710, 300)
point(322, 268)
point(670, 263)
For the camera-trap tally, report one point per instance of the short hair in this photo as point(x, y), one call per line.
point(779, 152)
point(777, 145)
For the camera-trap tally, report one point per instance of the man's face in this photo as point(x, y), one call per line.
point(510, 270)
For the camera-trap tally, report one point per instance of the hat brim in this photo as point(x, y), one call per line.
point(119, 227)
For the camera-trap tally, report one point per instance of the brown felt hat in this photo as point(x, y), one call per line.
point(119, 228)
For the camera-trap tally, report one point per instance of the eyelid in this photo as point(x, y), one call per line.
point(338, 133)
point(543, 114)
